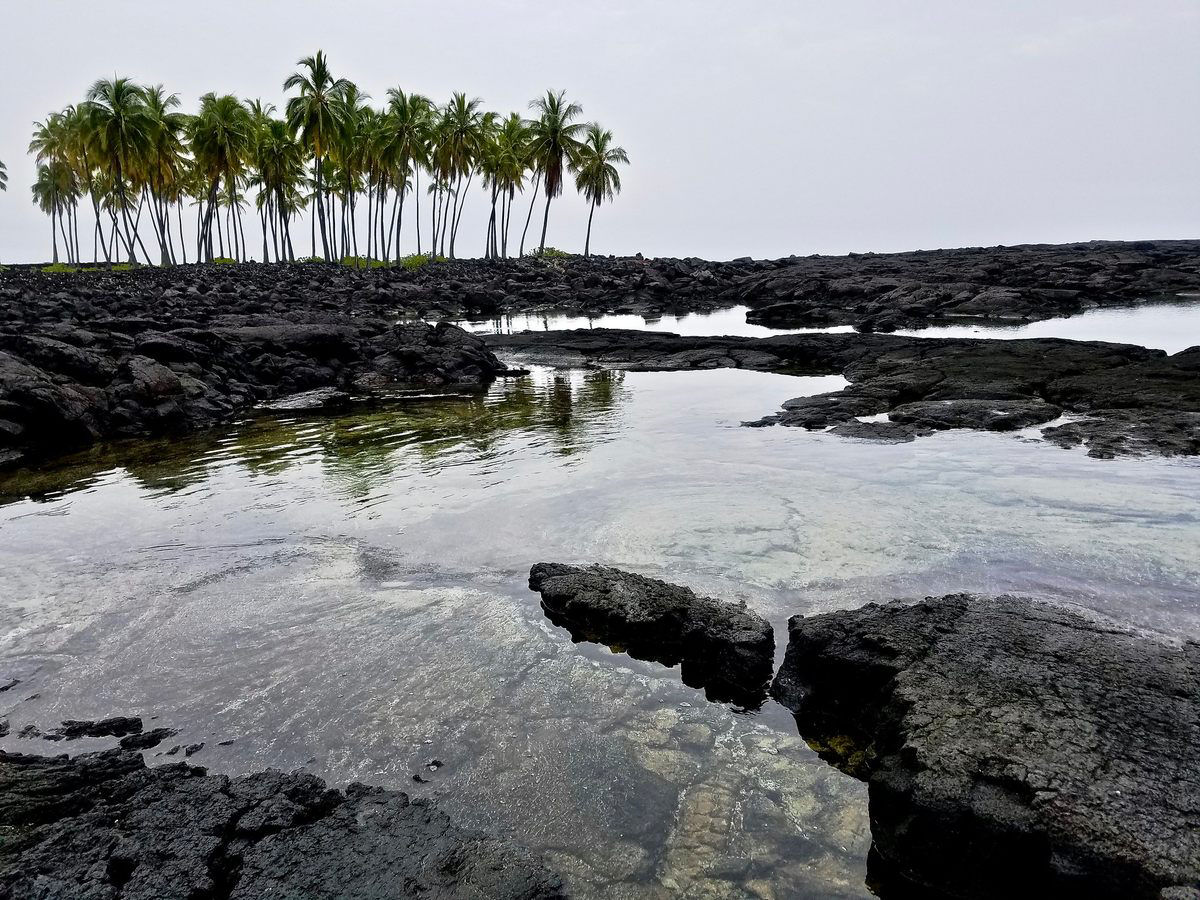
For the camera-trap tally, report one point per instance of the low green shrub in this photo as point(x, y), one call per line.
point(225, 261)
point(59, 267)
point(549, 253)
point(416, 260)
point(364, 262)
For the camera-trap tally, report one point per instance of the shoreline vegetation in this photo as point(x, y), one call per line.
point(128, 155)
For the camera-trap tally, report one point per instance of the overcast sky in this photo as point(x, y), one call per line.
point(755, 127)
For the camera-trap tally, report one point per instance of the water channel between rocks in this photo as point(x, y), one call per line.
point(348, 594)
point(1165, 326)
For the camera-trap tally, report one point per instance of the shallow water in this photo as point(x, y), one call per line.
point(1166, 326)
point(348, 594)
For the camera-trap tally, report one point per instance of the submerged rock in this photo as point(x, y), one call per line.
point(722, 647)
point(1010, 747)
point(104, 826)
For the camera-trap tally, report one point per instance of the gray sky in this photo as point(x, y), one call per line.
point(755, 128)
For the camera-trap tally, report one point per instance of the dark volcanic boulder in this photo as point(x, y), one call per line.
point(722, 647)
point(104, 826)
point(1011, 748)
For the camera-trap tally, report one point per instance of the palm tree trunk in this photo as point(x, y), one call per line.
point(137, 225)
point(435, 207)
point(545, 223)
point(320, 193)
point(182, 239)
point(54, 237)
point(123, 200)
point(587, 244)
point(417, 200)
point(98, 234)
point(532, 201)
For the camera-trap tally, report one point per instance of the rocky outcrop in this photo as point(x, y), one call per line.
point(1011, 748)
point(722, 647)
point(118, 378)
point(104, 826)
point(1131, 399)
point(887, 291)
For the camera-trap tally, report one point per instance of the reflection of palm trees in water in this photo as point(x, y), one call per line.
point(567, 412)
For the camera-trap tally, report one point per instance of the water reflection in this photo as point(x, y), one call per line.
point(565, 412)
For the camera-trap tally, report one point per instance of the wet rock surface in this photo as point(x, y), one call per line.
point(722, 647)
point(1009, 746)
point(105, 826)
point(1134, 400)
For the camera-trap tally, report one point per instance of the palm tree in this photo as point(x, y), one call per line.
point(312, 114)
point(462, 135)
point(122, 130)
point(51, 146)
point(279, 163)
point(405, 143)
point(553, 142)
point(221, 137)
point(507, 163)
point(165, 163)
point(53, 192)
point(596, 175)
point(348, 150)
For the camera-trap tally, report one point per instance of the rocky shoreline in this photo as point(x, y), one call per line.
point(871, 291)
point(103, 825)
point(1125, 399)
point(98, 355)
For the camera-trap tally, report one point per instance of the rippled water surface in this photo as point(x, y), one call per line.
point(348, 594)
point(1166, 326)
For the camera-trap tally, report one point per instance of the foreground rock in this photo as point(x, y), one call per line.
point(105, 826)
point(1128, 400)
point(721, 647)
point(1010, 747)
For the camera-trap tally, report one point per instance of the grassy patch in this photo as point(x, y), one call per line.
point(364, 262)
point(416, 260)
point(59, 267)
point(225, 261)
point(550, 253)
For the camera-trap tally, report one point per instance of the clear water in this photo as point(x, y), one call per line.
point(348, 594)
point(1166, 326)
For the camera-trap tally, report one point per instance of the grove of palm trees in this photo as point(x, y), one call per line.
point(139, 166)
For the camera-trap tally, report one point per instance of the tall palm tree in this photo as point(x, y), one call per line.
point(122, 130)
point(165, 162)
point(405, 149)
point(553, 143)
point(312, 114)
point(508, 161)
point(51, 146)
point(348, 150)
point(279, 163)
point(221, 137)
point(596, 175)
point(462, 135)
point(53, 192)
